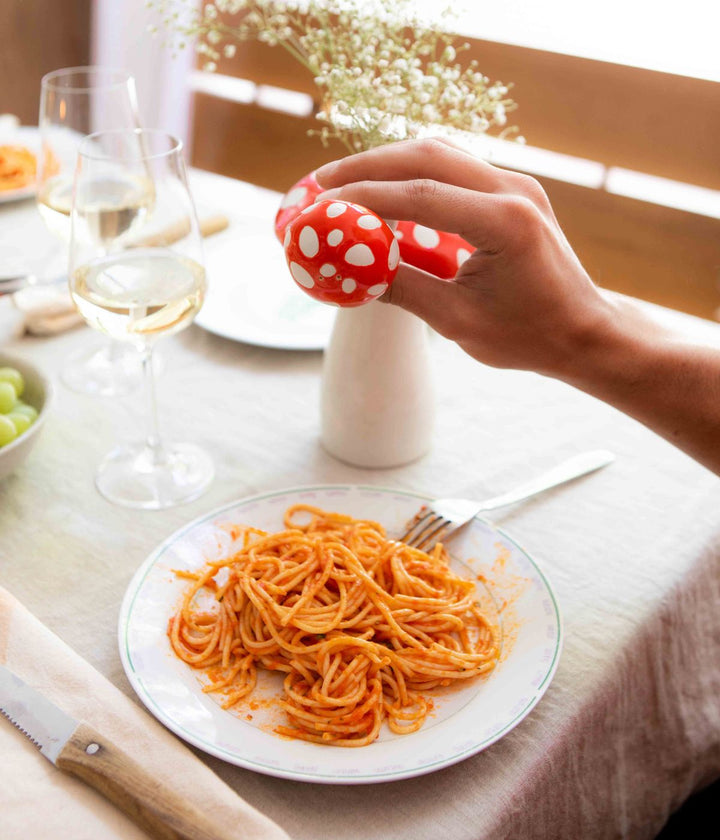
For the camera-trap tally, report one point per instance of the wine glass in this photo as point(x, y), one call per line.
point(136, 274)
point(75, 102)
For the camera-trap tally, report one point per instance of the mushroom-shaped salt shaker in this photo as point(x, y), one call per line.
point(341, 253)
point(434, 251)
point(296, 199)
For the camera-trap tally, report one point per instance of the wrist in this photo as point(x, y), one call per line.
point(660, 377)
point(611, 350)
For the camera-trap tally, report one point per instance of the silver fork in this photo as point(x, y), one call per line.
point(442, 517)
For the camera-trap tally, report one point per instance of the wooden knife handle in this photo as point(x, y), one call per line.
point(179, 230)
point(150, 803)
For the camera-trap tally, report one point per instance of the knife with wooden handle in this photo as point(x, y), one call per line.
point(207, 226)
point(77, 749)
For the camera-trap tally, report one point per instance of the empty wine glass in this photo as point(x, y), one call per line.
point(136, 274)
point(75, 102)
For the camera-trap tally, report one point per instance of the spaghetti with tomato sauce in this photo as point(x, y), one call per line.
point(17, 167)
point(362, 626)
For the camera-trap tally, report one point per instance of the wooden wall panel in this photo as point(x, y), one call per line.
point(652, 122)
point(255, 144)
point(646, 250)
point(35, 38)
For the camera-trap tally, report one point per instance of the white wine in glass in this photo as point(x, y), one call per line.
point(116, 205)
point(75, 102)
point(138, 292)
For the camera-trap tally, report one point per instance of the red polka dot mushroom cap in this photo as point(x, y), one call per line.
point(295, 200)
point(341, 253)
point(434, 251)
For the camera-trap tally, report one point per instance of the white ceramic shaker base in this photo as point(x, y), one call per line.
point(377, 401)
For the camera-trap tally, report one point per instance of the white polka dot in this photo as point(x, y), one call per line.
point(336, 209)
point(334, 237)
point(295, 196)
point(327, 270)
point(308, 241)
point(377, 289)
point(349, 285)
point(393, 255)
point(398, 234)
point(301, 276)
point(462, 255)
point(288, 237)
point(369, 222)
point(359, 254)
point(425, 236)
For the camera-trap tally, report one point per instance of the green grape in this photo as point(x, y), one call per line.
point(28, 410)
point(14, 377)
point(22, 422)
point(8, 397)
point(8, 433)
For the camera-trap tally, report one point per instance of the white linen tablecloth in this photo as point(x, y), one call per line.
point(630, 725)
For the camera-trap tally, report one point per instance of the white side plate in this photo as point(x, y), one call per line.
point(252, 297)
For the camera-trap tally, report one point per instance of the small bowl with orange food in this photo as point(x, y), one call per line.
point(26, 394)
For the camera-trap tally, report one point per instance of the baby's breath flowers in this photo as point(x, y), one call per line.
point(382, 74)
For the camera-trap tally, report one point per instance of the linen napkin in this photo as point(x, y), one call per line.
point(46, 310)
point(38, 800)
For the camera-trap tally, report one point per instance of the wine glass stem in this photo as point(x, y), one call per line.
point(114, 351)
point(152, 439)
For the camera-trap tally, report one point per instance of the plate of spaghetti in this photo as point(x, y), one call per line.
point(290, 634)
point(18, 164)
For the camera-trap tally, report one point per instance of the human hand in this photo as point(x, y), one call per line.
point(522, 299)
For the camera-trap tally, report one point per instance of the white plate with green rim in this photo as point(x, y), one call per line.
point(464, 720)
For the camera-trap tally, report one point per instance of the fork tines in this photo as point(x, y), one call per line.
point(425, 530)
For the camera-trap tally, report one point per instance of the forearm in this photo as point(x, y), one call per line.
point(656, 376)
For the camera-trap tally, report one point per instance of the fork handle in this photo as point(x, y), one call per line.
point(572, 468)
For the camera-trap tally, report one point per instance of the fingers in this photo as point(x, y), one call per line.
point(483, 219)
point(434, 300)
point(437, 160)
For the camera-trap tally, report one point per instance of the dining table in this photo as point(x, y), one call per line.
point(627, 728)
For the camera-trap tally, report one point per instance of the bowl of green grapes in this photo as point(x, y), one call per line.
point(25, 396)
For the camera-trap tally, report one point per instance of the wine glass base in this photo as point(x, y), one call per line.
point(134, 476)
point(111, 370)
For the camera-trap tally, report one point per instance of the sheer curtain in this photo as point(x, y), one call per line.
point(121, 38)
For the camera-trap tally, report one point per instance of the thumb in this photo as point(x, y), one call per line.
point(425, 295)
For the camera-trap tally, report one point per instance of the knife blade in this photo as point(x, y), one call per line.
point(10, 285)
point(74, 747)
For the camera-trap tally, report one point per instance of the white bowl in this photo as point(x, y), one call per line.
point(38, 393)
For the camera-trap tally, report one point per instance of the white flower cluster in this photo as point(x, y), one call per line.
point(382, 74)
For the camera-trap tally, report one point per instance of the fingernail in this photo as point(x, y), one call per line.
point(327, 195)
point(325, 171)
